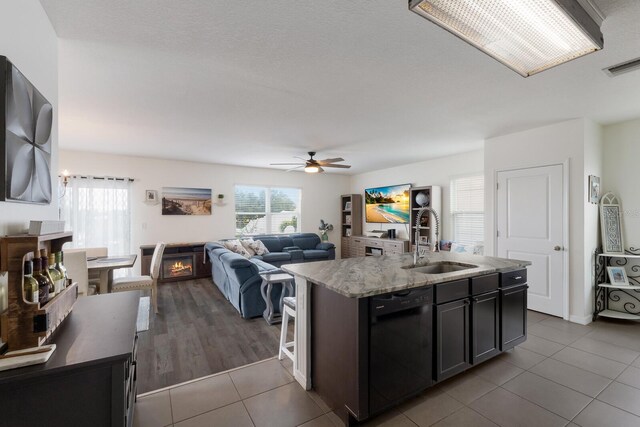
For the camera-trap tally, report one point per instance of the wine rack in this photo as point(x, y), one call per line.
point(25, 324)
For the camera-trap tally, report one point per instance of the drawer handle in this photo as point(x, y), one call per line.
point(517, 278)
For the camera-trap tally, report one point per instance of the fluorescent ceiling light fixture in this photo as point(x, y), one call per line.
point(527, 36)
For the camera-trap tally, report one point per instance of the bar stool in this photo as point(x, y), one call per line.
point(289, 310)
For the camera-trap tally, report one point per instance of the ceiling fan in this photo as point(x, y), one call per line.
point(312, 165)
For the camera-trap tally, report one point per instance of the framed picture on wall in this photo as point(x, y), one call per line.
point(611, 225)
point(594, 189)
point(347, 206)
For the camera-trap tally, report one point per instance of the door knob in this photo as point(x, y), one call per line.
point(558, 248)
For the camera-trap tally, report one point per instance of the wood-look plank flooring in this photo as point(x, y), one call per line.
point(197, 333)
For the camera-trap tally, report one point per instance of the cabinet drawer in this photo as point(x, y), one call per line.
point(511, 278)
point(391, 246)
point(452, 291)
point(373, 242)
point(357, 241)
point(484, 284)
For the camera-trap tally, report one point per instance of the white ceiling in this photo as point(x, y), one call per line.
point(253, 82)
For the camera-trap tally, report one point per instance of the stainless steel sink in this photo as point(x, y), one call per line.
point(441, 267)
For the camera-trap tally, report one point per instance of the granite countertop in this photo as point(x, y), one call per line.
point(374, 275)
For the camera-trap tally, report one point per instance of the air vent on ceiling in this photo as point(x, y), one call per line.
point(625, 67)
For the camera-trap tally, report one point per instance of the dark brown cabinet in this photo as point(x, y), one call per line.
point(513, 319)
point(90, 379)
point(485, 327)
point(452, 338)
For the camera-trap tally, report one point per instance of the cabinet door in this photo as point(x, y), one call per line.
point(485, 327)
point(513, 323)
point(452, 338)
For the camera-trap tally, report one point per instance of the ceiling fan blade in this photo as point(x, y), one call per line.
point(337, 166)
point(336, 160)
point(297, 167)
point(287, 164)
point(320, 170)
point(298, 157)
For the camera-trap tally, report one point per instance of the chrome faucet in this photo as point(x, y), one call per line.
point(436, 246)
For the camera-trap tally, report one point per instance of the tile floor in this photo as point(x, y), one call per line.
point(565, 374)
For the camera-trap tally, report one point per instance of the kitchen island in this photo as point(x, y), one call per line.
point(374, 331)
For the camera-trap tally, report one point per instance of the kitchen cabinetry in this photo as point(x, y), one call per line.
point(513, 309)
point(467, 324)
point(369, 353)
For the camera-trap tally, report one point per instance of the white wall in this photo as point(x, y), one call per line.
point(576, 142)
point(320, 194)
point(431, 172)
point(621, 156)
point(28, 39)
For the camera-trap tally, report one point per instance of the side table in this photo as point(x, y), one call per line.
point(268, 280)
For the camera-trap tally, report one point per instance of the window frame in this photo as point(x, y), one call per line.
point(267, 213)
point(457, 214)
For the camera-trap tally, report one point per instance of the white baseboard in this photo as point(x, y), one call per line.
point(583, 320)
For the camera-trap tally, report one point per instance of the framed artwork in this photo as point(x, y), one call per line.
point(186, 201)
point(25, 139)
point(347, 219)
point(594, 189)
point(347, 232)
point(611, 225)
point(618, 276)
point(150, 196)
point(347, 206)
point(424, 240)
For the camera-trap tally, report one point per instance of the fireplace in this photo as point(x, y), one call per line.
point(178, 267)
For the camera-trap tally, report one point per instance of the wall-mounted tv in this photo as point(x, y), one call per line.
point(387, 205)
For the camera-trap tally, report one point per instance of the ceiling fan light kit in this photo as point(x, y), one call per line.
point(528, 36)
point(312, 165)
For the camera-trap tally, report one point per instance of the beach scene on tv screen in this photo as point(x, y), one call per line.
point(387, 204)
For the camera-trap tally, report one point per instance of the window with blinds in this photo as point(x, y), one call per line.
point(267, 210)
point(467, 209)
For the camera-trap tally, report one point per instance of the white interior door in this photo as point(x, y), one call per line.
point(530, 209)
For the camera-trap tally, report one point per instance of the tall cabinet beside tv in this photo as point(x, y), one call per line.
point(350, 221)
point(427, 226)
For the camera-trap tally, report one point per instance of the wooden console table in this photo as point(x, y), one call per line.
point(90, 380)
point(179, 252)
point(359, 246)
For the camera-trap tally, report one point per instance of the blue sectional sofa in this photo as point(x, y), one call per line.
point(238, 278)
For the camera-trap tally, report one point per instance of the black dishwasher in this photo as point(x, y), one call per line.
point(400, 346)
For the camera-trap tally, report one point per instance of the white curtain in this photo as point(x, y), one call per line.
point(98, 211)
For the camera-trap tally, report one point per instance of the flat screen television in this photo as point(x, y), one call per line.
point(387, 205)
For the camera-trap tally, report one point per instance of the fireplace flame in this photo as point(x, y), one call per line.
point(179, 268)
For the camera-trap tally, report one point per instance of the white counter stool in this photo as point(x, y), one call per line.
point(289, 310)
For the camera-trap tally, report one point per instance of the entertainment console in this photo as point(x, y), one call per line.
point(359, 246)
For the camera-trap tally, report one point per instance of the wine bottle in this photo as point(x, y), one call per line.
point(43, 282)
point(45, 272)
point(30, 287)
point(55, 274)
point(61, 268)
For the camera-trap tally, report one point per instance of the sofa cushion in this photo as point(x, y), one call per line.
point(246, 244)
point(306, 240)
point(234, 245)
point(258, 247)
point(315, 254)
point(325, 246)
point(276, 257)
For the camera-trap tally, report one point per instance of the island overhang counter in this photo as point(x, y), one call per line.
point(374, 331)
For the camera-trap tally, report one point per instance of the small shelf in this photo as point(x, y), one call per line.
point(618, 256)
point(421, 228)
point(618, 315)
point(628, 287)
point(346, 211)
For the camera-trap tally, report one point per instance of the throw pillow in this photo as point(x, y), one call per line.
point(236, 246)
point(259, 248)
point(246, 244)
